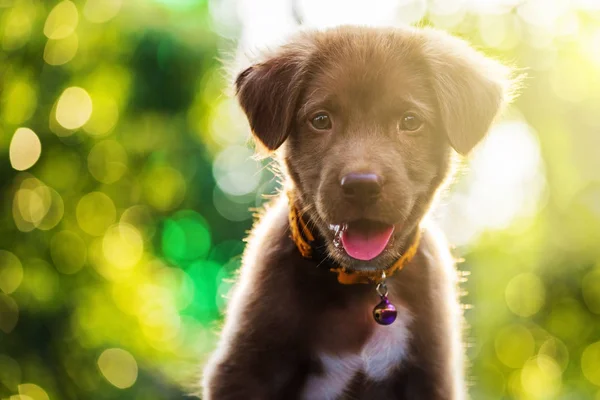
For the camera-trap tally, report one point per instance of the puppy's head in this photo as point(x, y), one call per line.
point(366, 119)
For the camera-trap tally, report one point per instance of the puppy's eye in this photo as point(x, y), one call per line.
point(410, 122)
point(321, 121)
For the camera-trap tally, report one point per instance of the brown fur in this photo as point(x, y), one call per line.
point(285, 311)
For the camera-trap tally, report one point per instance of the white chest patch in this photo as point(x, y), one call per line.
point(379, 357)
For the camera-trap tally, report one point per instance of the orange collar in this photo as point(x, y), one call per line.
point(302, 237)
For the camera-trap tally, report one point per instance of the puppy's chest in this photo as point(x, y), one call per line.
point(356, 344)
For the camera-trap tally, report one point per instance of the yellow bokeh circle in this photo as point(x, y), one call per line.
point(164, 187)
point(141, 217)
point(61, 51)
point(55, 211)
point(32, 202)
point(107, 161)
point(74, 108)
point(36, 205)
point(99, 11)
point(541, 378)
point(118, 367)
point(525, 294)
point(11, 272)
point(124, 296)
point(177, 282)
point(158, 314)
point(122, 245)
point(19, 101)
point(11, 372)
point(33, 391)
point(25, 149)
point(105, 115)
point(514, 345)
point(95, 213)
point(590, 363)
point(61, 21)
point(18, 21)
point(557, 350)
point(590, 288)
point(568, 320)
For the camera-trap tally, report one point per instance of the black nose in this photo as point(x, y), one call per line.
point(361, 188)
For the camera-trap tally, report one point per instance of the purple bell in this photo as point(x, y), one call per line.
point(384, 313)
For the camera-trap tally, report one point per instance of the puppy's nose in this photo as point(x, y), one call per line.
point(361, 188)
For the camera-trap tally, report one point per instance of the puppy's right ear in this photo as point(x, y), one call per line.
point(269, 92)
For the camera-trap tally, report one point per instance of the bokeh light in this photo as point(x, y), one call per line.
point(17, 23)
point(25, 149)
point(141, 217)
point(226, 124)
point(233, 208)
point(99, 11)
point(74, 108)
point(33, 392)
point(61, 21)
point(236, 171)
point(569, 321)
point(525, 294)
point(61, 51)
point(107, 161)
point(514, 345)
point(590, 363)
point(10, 372)
point(186, 237)
point(118, 367)
point(164, 187)
point(11, 272)
point(556, 350)
point(205, 274)
point(122, 246)
point(497, 196)
point(19, 101)
point(105, 114)
point(591, 290)
point(36, 205)
point(95, 213)
point(541, 378)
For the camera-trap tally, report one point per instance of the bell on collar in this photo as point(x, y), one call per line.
point(384, 313)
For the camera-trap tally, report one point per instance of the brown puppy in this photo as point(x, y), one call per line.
point(364, 121)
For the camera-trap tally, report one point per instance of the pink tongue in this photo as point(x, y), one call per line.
point(366, 242)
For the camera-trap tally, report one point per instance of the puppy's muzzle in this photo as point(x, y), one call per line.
point(361, 188)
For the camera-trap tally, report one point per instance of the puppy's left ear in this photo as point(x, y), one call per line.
point(471, 89)
point(269, 91)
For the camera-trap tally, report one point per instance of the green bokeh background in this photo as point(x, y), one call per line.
point(119, 244)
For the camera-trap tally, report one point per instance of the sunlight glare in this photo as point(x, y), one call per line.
point(505, 181)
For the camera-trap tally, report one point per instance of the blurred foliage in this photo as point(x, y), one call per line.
point(127, 186)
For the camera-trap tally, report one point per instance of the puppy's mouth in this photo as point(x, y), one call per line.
point(363, 239)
